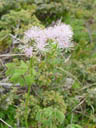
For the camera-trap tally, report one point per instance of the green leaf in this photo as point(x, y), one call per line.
point(16, 78)
point(29, 79)
point(60, 116)
point(76, 85)
point(47, 123)
point(74, 126)
point(10, 68)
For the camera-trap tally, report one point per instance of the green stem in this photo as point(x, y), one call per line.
point(26, 106)
point(27, 98)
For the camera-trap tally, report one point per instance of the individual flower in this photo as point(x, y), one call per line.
point(28, 52)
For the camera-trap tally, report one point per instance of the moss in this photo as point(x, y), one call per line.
point(5, 40)
point(16, 22)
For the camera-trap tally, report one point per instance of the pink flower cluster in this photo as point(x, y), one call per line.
point(61, 34)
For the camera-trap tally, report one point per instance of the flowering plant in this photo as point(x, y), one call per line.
point(40, 73)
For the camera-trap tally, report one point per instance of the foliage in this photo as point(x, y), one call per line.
point(8, 115)
point(37, 72)
point(50, 117)
point(15, 23)
point(39, 114)
point(53, 9)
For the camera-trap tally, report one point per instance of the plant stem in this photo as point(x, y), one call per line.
point(26, 106)
point(27, 98)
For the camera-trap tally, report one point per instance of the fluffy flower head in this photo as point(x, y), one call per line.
point(61, 34)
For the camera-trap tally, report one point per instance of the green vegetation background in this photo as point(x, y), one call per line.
point(16, 16)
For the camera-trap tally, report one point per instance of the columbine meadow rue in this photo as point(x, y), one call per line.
point(61, 34)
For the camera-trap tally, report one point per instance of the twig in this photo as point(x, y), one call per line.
point(17, 39)
point(78, 105)
point(10, 55)
point(5, 123)
point(89, 32)
point(87, 86)
point(8, 85)
point(66, 60)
